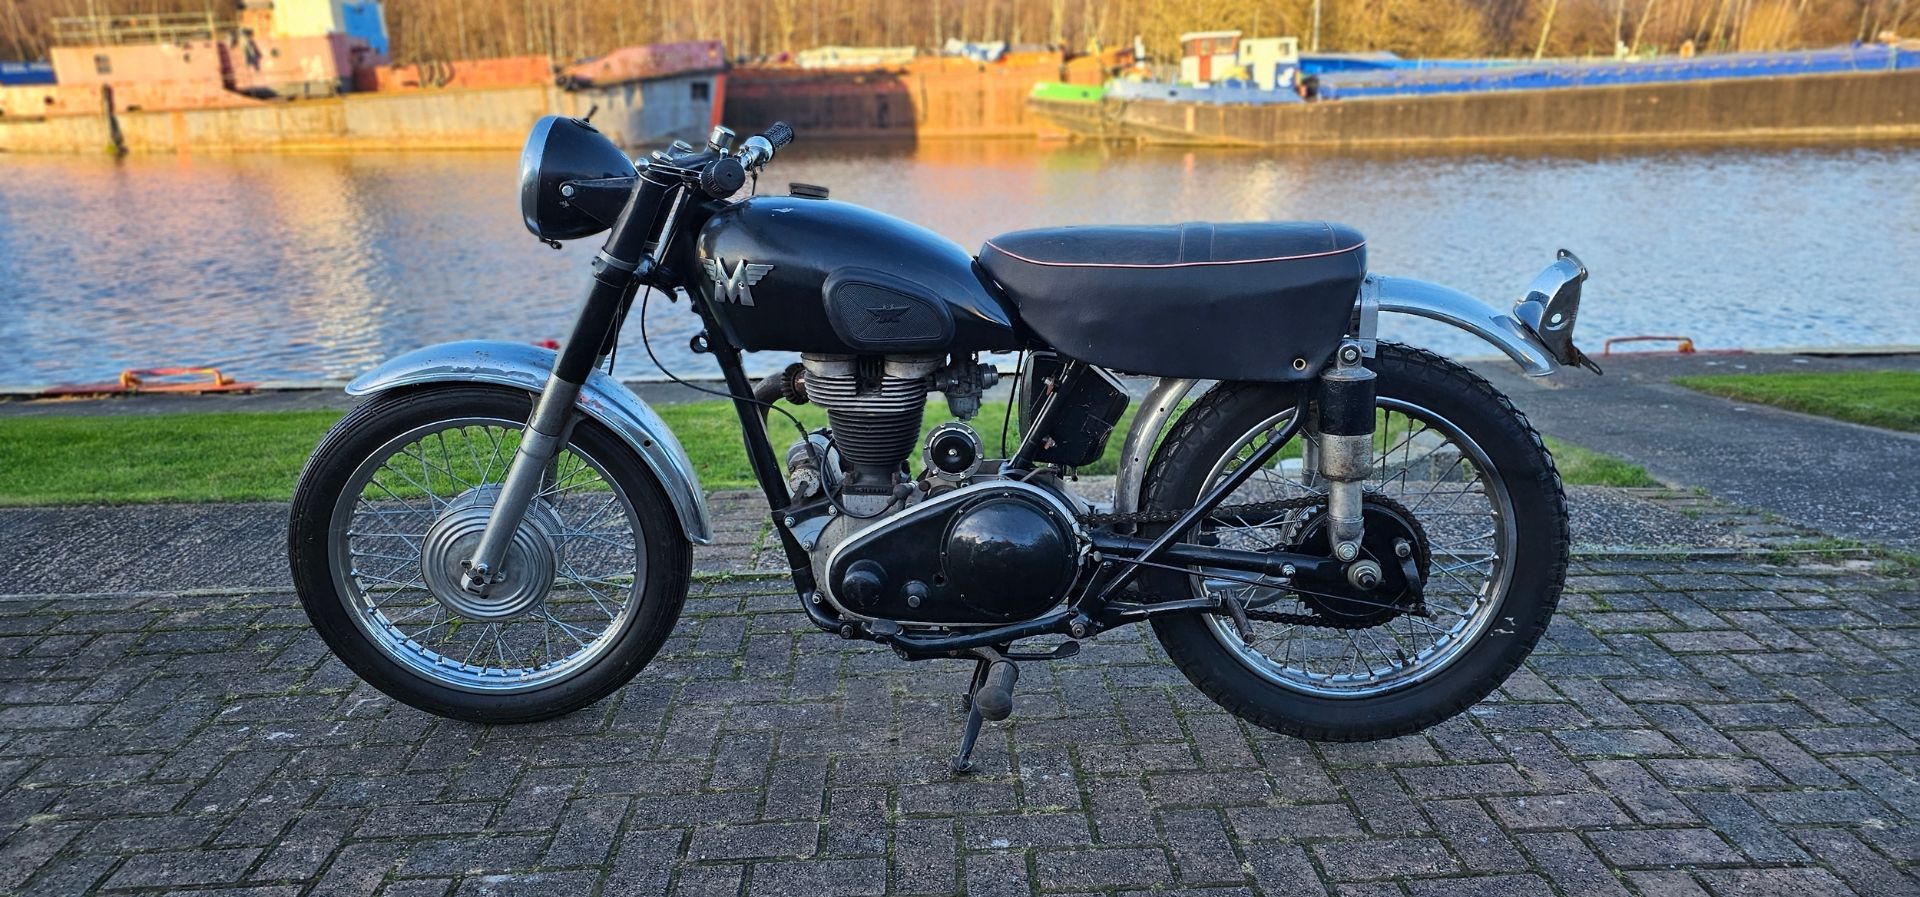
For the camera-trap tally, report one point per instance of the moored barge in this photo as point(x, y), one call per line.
point(1863, 92)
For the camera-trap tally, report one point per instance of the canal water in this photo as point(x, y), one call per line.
point(308, 267)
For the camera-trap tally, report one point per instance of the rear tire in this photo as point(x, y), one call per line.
point(338, 602)
point(1219, 663)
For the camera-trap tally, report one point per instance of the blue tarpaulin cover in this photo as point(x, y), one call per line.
point(1395, 81)
point(26, 73)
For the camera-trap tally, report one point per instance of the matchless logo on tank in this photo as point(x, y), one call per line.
point(735, 285)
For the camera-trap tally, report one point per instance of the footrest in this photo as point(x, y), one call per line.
point(1060, 651)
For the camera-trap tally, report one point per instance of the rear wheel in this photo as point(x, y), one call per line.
point(1450, 453)
point(395, 498)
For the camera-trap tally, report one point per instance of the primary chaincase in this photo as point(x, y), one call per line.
point(986, 554)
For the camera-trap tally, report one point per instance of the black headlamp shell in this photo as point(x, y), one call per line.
point(559, 150)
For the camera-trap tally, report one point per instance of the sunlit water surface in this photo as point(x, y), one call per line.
point(318, 266)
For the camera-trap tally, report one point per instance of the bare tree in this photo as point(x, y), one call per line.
point(438, 30)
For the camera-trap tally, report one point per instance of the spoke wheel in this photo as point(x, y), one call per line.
point(1480, 494)
point(413, 512)
point(391, 507)
point(1433, 470)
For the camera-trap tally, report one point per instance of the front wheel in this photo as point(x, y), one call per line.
point(395, 498)
point(1452, 454)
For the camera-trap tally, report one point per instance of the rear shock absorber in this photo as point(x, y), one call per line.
point(1346, 446)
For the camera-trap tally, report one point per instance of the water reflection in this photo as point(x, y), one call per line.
point(317, 266)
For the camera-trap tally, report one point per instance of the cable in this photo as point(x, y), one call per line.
point(1006, 420)
point(619, 324)
point(646, 341)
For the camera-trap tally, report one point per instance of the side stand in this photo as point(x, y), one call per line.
point(962, 763)
point(990, 697)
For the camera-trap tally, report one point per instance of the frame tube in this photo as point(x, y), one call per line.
point(1156, 551)
point(1156, 408)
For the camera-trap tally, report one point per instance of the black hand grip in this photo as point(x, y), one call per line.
point(722, 178)
point(780, 134)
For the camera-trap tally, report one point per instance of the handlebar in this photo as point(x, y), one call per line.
point(725, 175)
point(718, 175)
point(758, 150)
point(779, 134)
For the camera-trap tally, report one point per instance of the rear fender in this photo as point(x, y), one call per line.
point(1404, 295)
point(1536, 335)
point(602, 398)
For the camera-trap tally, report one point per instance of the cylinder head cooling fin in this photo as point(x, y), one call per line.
point(874, 405)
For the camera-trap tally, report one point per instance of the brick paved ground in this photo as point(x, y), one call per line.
point(1706, 726)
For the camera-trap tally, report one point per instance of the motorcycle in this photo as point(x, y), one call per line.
point(1340, 538)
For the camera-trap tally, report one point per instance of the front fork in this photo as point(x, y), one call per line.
point(632, 251)
point(539, 446)
point(1344, 455)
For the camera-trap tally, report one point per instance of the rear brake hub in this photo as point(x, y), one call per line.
point(1342, 600)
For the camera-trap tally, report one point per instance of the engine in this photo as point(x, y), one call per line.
point(957, 545)
point(874, 407)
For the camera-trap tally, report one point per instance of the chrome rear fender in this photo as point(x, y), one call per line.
point(1548, 309)
point(1407, 296)
point(522, 366)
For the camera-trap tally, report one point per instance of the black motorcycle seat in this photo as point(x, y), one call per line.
point(1241, 301)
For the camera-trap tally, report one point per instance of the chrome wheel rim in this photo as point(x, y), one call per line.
point(396, 539)
point(1428, 464)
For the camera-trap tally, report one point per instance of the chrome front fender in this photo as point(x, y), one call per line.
point(602, 398)
point(1404, 295)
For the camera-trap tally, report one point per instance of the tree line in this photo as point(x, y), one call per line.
point(435, 30)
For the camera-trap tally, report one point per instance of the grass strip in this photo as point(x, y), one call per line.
point(231, 456)
point(257, 455)
point(1582, 466)
point(1888, 399)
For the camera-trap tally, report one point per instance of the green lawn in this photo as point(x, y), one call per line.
point(1581, 466)
point(256, 456)
point(130, 459)
point(1889, 399)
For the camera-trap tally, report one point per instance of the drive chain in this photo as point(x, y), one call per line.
point(1270, 508)
point(1276, 506)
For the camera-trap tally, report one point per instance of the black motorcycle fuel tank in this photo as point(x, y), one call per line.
point(797, 274)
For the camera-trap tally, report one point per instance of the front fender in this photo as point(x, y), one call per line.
point(522, 366)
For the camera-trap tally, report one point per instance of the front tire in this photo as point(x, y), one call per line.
point(392, 499)
point(1446, 431)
